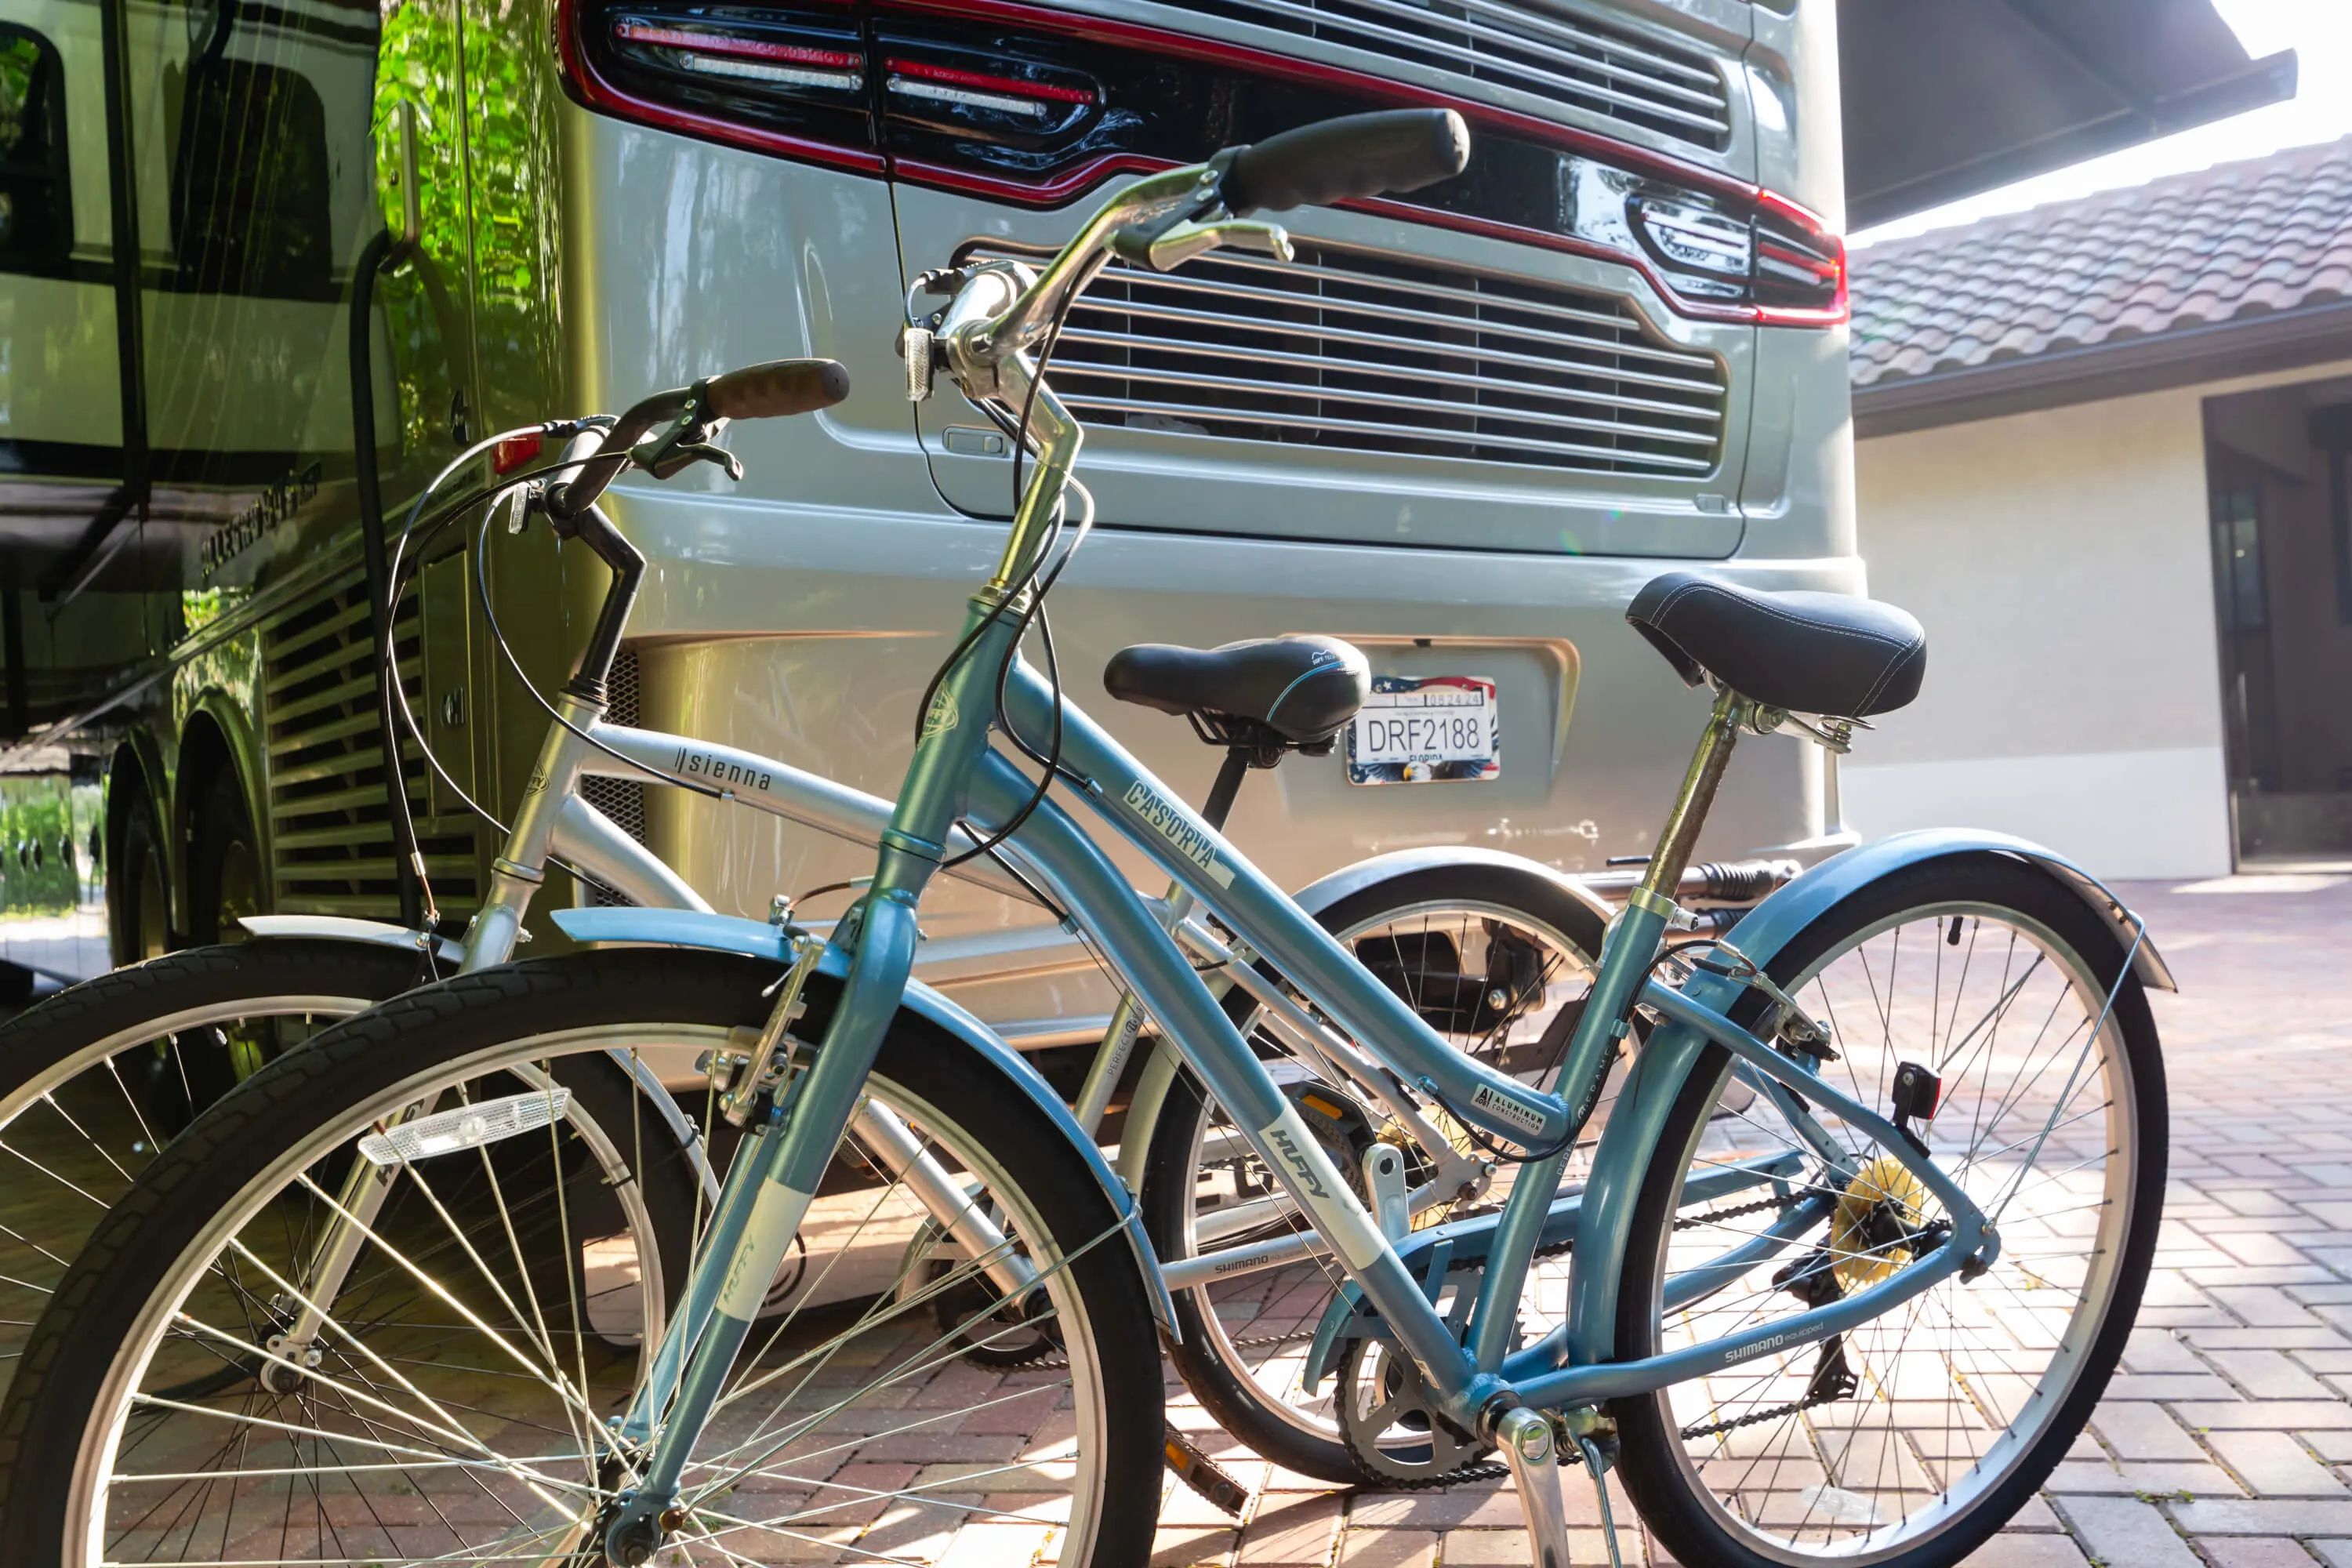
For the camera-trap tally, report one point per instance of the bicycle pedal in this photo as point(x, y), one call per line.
point(1201, 1473)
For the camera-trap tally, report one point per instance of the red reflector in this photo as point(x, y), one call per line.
point(512, 453)
point(740, 48)
point(948, 76)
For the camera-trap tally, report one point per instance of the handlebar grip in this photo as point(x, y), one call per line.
point(778, 388)
point(1357, 155)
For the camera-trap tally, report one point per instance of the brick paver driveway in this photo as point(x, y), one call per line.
point(2220, 1439)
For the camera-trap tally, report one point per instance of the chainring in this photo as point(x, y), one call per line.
point(1391, 1428)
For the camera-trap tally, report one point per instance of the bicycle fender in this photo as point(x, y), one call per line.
point(1634, 1127)
point(1768, 927)
point(759, 939)
point(344, 928)
point(1322, 893)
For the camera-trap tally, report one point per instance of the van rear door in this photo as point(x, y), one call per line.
point(1550, 353)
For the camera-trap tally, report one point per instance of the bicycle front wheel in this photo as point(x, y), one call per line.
point(199, 1394)
point(1911, 1438)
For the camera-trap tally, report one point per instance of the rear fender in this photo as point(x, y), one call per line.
point(1320, 895)
point(759, 939)
point(1620, 1163)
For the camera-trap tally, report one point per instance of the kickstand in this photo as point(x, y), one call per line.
point(1600, 1490)
point(1201, 1473)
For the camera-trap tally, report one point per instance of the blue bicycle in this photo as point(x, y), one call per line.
point(1839, 1273)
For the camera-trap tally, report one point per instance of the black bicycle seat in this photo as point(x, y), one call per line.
point(1831, 654)
point(1303, 689)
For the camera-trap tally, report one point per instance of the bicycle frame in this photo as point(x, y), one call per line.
point(1136, 807)
point(956, 775)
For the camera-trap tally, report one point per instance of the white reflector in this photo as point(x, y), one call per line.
point(467, 1127)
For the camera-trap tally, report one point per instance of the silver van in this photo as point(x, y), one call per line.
point(1459, 432)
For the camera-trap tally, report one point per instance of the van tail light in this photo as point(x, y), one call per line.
point(512, 453)
point(1035, 101)
point(753, 59)
point(1012, 101)
point(1800, 278)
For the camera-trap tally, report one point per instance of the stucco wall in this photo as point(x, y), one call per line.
point(2060, 562)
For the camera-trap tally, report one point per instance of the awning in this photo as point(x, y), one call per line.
point(1946, 97)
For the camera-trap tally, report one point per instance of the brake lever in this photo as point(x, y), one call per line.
point(1168, 243)
point(682, 455)
point(690, 440)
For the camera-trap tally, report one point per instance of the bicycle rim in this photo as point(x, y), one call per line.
point(1261, 1325)
point(75, 1134)
point(452, 1417)
point(1954, 1394)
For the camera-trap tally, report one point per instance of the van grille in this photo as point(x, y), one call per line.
point(1574, 62)
point(621, 799)
point(1353, 349)
point(331, 840)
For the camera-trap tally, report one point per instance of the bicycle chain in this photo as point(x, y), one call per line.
point(1689, 1433)
point(1712, 1216)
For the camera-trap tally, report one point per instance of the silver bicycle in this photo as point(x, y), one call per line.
point(1495, 951)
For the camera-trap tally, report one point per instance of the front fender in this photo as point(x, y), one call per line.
point(759, 939)
point(346, 928)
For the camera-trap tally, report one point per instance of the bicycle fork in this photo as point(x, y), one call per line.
point(770, 1185)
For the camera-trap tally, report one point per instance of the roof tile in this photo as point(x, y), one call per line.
point(2238, 241)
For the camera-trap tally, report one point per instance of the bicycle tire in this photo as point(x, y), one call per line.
point(1207, 1358)
point(1868, 1468)
point(55, 1426)
point(78, 1111)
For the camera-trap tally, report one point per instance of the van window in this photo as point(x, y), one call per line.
point(251, 212)
point(36, 198)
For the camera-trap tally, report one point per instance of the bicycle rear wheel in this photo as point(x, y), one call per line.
point(1494, 958)
point(97, 1078)
point(450, 1407)
point(1910, 1439)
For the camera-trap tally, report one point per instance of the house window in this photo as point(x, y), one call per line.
point(36, 198)
point(250, 212)
point(2237, 558)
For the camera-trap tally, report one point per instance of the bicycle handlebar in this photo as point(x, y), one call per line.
point(773, 390)
point(1357, 155)
point(1332, 161)
point(777, 389)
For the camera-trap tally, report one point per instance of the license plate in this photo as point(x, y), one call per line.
point(1425, 730)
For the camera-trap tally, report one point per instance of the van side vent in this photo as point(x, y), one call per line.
point(331, 832)
point(1574, 62)
point(1360, 351)
point(619, 799)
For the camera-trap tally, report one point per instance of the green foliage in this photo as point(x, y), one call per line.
point(38, 854)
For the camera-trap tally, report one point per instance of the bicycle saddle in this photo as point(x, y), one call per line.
point(1831, 654)
point(1303, 689)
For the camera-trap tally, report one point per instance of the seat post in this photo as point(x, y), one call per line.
point(1220, 804)
point(1679, 837)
